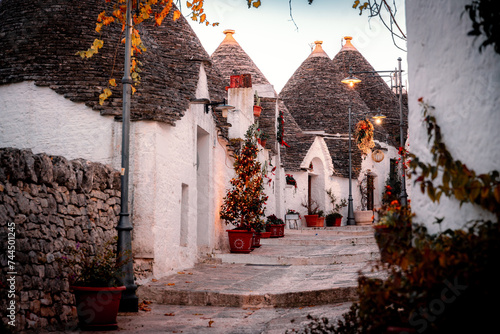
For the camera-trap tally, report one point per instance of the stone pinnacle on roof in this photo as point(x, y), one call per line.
point(348, 45)
point(230, 59)
point(318, 50)
point(372, 89)
point(229, 37)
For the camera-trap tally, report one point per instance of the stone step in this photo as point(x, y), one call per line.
point(302, 255)
point(327, 240)
point(240, 285)
point(340, 230)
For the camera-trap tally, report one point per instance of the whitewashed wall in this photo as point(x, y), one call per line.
point(40, 119)
point(178, 175)
point(447, 70)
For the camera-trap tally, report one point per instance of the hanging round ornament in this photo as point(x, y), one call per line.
point(377, 155)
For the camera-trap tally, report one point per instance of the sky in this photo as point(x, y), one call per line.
point(278, 48)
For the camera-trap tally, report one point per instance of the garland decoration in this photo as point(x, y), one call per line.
point(281, 130)
point(363, 136)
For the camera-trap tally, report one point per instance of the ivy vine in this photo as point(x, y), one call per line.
point(485, 17)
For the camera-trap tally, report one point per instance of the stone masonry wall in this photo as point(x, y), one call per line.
point(54, 204)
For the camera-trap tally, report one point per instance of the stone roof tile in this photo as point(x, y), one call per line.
point(40, 39)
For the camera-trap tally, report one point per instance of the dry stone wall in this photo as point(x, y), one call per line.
point(52, 203)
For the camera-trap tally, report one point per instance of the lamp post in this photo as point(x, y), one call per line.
point(404, 195)
point(351, 80)
point(129, 301)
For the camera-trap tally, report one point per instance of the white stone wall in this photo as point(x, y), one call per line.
point(323, 180)
point(44, 121)
point(447, 70)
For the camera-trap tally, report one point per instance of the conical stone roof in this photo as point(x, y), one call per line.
point(317, 99)
point(372, 89)
point(230, 59)
point(40, 39)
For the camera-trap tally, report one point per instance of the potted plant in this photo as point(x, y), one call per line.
point(334, 218)
point(276, 226)
point(244, 202)
point(257, 109)
point(362, 216)
point(312, 214)
point(95, 278)
point(290, 180)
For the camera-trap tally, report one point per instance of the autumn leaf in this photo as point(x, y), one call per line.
point(210, 323)
point(154, 280)
point(202, 18)
point(170, 284)
point(169, 314)
point(112, 82)
point(177, 15)
point(256, 4)
point(104, 95)
point(181, 272)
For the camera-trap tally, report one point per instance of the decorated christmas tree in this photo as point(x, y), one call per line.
point(244, 202)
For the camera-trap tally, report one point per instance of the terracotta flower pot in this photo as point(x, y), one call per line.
point(97, 307)
point(240, 241)
point(312, 221)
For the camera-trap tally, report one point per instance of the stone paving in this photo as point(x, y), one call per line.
point(271, 290)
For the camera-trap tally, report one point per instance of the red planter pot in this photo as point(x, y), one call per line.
point(256, 240)
point(277, 231)
point(257, 110)
point(240, 241)
point(314, 221)
point(265, 235)
point(338, 221)
point(97, 307)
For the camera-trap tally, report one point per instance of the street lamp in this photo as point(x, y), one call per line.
point(129, 301)
point(378, 117)
point(351, 80)
point(218, 106)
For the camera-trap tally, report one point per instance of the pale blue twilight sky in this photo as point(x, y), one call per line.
point(271, 39)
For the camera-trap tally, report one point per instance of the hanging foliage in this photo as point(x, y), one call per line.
point(363, 135)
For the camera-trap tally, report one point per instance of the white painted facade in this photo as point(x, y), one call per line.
point(448, 72)
point(323, 179)
point(178, 174)
point(40, 119)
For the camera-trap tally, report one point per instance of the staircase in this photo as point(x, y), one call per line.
point(306, 267)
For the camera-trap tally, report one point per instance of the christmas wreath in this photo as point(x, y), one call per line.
point(363, 135)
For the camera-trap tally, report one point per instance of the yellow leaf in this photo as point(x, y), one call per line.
point(170, 284)
point(202, 18)
point(133, 90)
point(181, 272)
point(177, 15)
point(112, 82)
